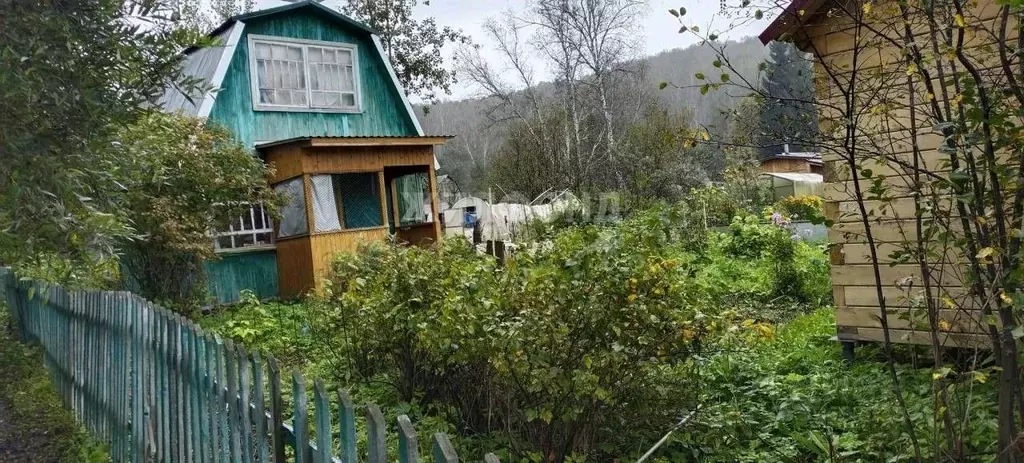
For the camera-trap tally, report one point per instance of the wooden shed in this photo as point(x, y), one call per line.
point(343, 191)
point(868, 64)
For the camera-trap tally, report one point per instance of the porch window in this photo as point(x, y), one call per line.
point(293, 211)
point(251, 229)
point(346, 201)
point(303, 75)
point(414, 201)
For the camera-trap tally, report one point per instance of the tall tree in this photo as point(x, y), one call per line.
point(788, 115)
point(74, 72)
point(413, 45)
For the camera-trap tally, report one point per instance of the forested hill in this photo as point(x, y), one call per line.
point(479, 137)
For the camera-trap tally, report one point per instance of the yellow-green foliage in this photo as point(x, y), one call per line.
point(802, 207)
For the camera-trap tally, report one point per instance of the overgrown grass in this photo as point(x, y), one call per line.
point(37, 427)
point(793, 398)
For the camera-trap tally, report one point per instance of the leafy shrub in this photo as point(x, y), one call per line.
point(576, 341)
point(276, 327)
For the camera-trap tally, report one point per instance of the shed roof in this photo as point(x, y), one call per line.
point(812, 158)
point(796, 177)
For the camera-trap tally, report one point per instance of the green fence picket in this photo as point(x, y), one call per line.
point(408, 441)
point(375, 437)
point(347, 427)
point(212, 425)
point(198, 409)
point(444, 452)
point(245, 416)
point(322, 410)
point(262, 453)
point(276, 410)
point(300, 419)
point(231, 398)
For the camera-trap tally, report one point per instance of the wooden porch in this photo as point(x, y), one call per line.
point(343, 191)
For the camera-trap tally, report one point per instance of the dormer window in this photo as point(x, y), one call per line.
point(303, 75)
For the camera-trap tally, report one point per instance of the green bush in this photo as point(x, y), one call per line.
point(575, 342)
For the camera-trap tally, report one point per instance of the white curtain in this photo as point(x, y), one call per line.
point(325, 207)
point(293, 212)
point(411, 199)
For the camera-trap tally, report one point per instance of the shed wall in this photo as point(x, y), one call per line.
point(892, 222)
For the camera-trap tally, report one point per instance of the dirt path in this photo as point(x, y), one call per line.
point(24, 442)
point(34, 426)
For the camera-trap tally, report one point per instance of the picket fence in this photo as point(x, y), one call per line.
point(156, 387)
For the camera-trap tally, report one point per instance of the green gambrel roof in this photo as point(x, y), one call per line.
point(320, 8)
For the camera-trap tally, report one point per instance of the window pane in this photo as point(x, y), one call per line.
point(242, 241)
point(360, 197)
point(348, 100)
point(280, 74)
point(264, 238)
point(262, 51)
point(413, 198)
point(328, 76)
point(293, 212)
point(224, 242)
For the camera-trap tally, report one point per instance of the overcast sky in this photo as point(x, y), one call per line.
point(658, 26)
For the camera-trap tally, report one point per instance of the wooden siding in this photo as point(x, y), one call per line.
point(383, 110)
point(291, 160)
point(255, 271)
point(294, 267)
point(325, 245)
point(853, 275)
point(788, 166)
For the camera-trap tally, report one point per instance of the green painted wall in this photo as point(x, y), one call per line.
point(383, 110)
point(255, 271)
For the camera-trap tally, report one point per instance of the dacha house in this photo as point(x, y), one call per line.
point(312, 92)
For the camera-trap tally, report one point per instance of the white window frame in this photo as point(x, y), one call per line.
point(309, 108)
point(232, 231)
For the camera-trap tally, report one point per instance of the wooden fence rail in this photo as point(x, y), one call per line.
point(156, 387)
